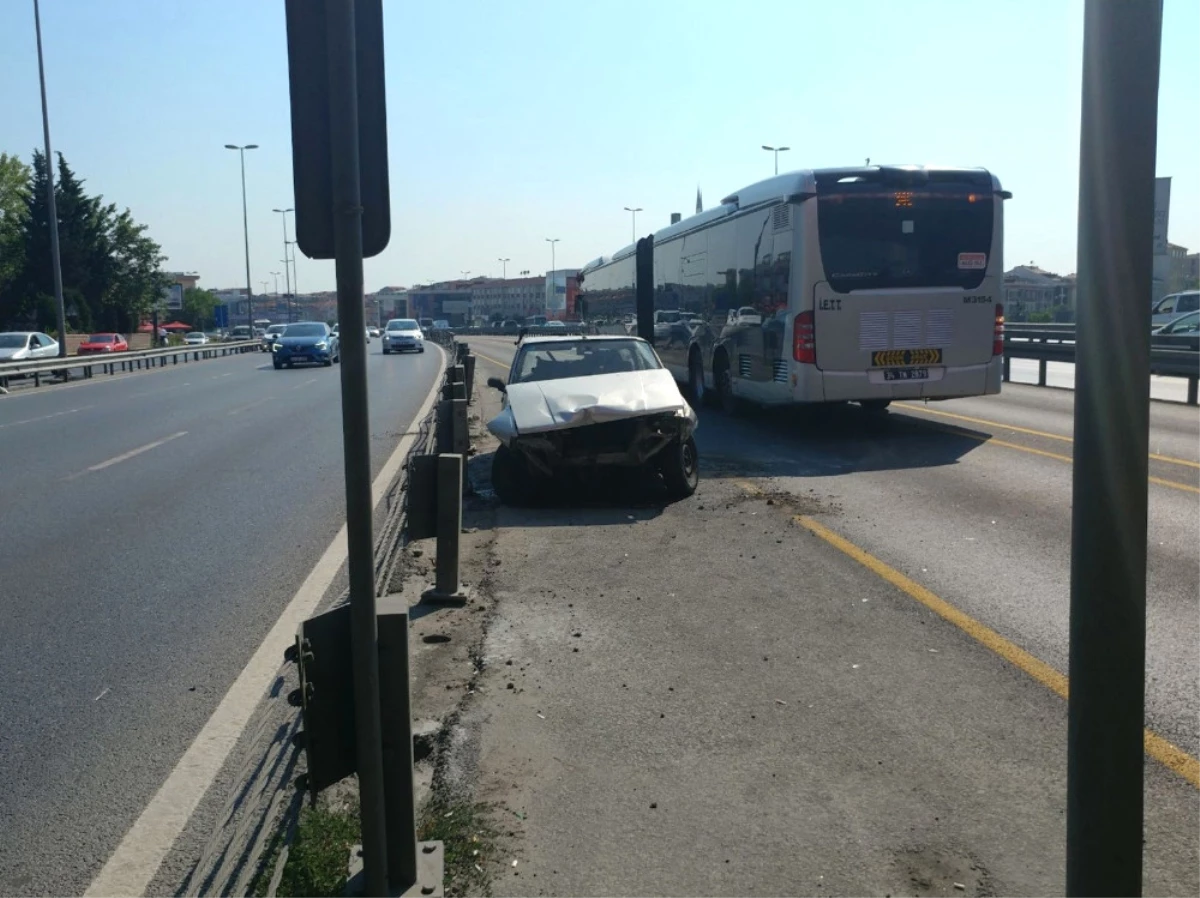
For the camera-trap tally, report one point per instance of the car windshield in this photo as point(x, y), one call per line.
point(582, 358)
point(101, 338)
point(305, 330)
point(276, 328)
point(194, 335)
point(1185, 324)
point(402, 324)
point(13, 341)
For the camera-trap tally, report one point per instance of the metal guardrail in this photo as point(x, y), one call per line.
point(1171, 355)
point(110, 363)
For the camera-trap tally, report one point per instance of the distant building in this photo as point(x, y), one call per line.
point(1028, 288)
point(1182, 270)
point(497, 299)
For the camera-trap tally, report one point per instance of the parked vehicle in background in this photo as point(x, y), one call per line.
point(304, 343)
point(195, 338)
point(572, 404)
point(239, 333)
point(743, 315)
point(1172, 306)
point(97, 343)
point(426, 324)
point(403, 335)
point(20, 346)
point(373, 332)
point(270, 336)
point(441, 324)
point(554, 326)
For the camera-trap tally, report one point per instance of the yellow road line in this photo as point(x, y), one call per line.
point(1168, 459)
point(992, 441)
point(1165, 752)
point(490, 359)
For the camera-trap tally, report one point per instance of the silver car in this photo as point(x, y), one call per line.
point(403, 335)
point(1172, 306)
point(21, 346)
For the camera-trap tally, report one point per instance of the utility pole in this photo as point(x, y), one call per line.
point(51, 206)
point(246, 232)
point(287, 277)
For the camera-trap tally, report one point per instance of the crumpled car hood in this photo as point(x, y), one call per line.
point(540, 406)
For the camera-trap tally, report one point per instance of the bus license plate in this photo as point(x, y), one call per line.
point(906, 374)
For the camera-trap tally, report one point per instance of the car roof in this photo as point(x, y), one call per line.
point(577, 338)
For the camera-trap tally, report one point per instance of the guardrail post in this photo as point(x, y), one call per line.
point(443, 429)
point(447, 588)
point(1193, 383)
point(1041, 372)
point(469, 369)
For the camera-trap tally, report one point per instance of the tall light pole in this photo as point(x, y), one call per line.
point(553, 285)
point(287, 277)
point(776, 151)
point(504, 268)
point(633, 229)
point(275, 274)
point(51, 208)
point(295, 275)
point(246, 232)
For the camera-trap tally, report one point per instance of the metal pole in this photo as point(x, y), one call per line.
point(51, 205)
point(246, 234)
point(348, 252)
point(287, 275)
point(1107, 667)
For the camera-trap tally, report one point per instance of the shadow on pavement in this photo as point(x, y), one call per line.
point(824, 442)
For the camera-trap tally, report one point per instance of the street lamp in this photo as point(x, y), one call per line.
point(633, 212)
point(275, 274)
point(295, 274)
point(287, 277)
point(776, 151)
point(246, 231)
point(504, 268)
point(52, 213)
point(553, 285)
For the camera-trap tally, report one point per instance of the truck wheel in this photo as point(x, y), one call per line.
point(680, 466)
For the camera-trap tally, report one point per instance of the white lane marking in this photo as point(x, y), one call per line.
point(141, 852)
point(251, 405)
point(219, 376)
point(311, 380)
point(45, 417)
point(125, 456)
point(103, 692)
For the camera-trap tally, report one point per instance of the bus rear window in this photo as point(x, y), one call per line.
point(874, 237)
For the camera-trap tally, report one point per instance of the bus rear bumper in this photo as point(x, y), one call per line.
point(815, 385)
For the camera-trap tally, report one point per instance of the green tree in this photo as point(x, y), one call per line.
point(199, 306)
point(15, 185)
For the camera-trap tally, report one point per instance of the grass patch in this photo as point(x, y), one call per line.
point(469, 840)
point(320, 854)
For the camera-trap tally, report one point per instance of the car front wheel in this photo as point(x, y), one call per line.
point(680, 466)
point(511, 478)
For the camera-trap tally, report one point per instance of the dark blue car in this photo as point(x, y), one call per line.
point(306, 343)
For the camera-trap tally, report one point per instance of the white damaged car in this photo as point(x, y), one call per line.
point(574, 403)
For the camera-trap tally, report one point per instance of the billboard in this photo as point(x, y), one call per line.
point(556, 291)
point(173, 297)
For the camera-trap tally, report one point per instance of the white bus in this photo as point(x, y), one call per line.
point(832, 285)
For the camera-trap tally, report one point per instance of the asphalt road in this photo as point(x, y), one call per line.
point(155, 526)
point(752, 692)
point(972, 498)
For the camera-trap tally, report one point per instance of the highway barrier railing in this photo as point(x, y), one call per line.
point(1171, 355)
point(112, 362)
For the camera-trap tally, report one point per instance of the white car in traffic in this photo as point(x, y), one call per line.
point(22, 346)
point(576, 403)
point(403, 335)
point(195, 338)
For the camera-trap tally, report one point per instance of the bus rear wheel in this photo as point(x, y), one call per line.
point(696, 380)
point(723, 376)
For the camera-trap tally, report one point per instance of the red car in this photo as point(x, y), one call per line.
point(103, 343)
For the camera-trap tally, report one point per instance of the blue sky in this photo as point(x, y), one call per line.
point(510, 122)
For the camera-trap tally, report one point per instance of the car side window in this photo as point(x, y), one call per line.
point(1188, 303)
point(1167, 305)
point(34, 343)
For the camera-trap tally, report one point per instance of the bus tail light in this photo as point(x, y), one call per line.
point(998, 333)
point(804, 339)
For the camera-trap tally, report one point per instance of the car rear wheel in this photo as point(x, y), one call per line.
point(680, 466)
